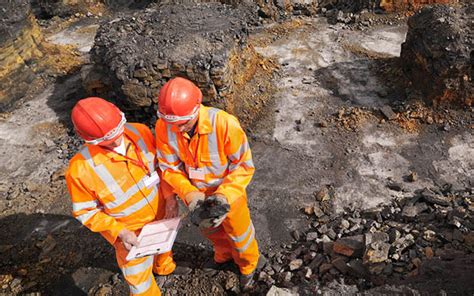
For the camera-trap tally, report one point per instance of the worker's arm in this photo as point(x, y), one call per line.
point(172, 169)
point(237, 150)
point(87, 209)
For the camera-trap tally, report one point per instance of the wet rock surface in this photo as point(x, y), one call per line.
point(438, 48)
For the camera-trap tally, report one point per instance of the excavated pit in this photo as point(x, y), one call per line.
point(438, 54)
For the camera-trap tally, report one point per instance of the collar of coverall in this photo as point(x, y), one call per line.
point(204, 123)
point(101, 155)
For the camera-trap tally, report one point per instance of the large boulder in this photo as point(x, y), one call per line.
point(438, 54)
point(206, 43)
point(20, 38)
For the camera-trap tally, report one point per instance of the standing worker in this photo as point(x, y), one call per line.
point(115, 188)
point(204, 155)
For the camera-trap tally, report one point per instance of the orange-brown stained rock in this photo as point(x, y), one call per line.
point(397, 5)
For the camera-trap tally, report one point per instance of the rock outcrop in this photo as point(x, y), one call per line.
point(438, 54)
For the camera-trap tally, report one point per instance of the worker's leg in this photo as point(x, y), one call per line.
point(241, 236)
point(164, 264)
point(220, 242)
point(137, 273)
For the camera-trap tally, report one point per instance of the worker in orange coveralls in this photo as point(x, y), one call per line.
point(204, 154)
point(115, 189)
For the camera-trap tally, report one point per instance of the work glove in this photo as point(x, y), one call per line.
point(128, 238)
point(193, 198)
point(211, 212)
point(171, 207)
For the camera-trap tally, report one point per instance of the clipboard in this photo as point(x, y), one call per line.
point(155, 238)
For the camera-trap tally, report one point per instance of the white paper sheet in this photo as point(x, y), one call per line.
point(155, 238)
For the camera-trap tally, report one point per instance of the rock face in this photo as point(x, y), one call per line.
point(20, 37)
point(387, 5)
point(394, 5)
point(438, 53)
point(205, 43)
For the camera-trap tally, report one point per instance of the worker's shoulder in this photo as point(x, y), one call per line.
point(227, 119)
point(78, 161)
point(141, 128)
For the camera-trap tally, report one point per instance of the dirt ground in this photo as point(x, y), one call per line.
point(322, 127)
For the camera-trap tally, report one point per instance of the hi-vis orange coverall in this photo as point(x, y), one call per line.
point(108, 195)
point(220, 148)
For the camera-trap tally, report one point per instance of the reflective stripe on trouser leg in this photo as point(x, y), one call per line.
point(220, 242)
point(164, 263)
point(241, 236)
point(137, 273)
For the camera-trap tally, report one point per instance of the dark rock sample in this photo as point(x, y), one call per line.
point(438, 55)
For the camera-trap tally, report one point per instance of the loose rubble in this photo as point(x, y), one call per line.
point(372, 247)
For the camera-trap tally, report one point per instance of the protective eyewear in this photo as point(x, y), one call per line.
point(112, 133)
point(176, 118)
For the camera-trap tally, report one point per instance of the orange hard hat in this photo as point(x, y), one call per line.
point(97, 121)
point(179, 101)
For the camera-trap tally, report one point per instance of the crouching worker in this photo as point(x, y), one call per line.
point(205, 156)
point(115, 189)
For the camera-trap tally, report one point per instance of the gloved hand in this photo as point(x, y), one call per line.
point(128, 238)
point(222, 209)
point(192, 199)
point(211, 212)
point(171, 207)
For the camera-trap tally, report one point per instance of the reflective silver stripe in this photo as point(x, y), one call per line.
point(142, 288)
point(167, 157)
point(79, 206)
point(244, 248)
point(136, 269)
point(164, 166)
point(247, 163)
point(212, 137)
point(240, 238)
point(172, 140)
point(103, 174)
point(130, 192)
point(84, 217)
point(244, 147)
point(142, 146)
point(137, 206)
point(211, 183)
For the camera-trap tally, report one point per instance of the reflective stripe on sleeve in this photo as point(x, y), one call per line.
point(168, 157)
point(84, 217)
point(244, 147)
point(79, 206)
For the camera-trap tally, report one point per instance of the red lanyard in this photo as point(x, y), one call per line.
point(138, 162)
point(189, 153)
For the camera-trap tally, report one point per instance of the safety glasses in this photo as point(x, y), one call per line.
point(112, 133)
point(176, 118)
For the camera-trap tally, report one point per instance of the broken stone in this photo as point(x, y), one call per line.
point(357, 268)
point(323, 194)
point(295, 264)
point(309, 210)
point(331, 234)
point(411, 211)
point(429, 235)
point(317, 261)
point(325, 267)
point(395, 185)
point(275, 291)
point(376, 252)
point(345, 224)
point(296, 235)
point(393, 235)
point(412, 177)
point(352, 246)
point(388, 112)
point(311, 236)
point(307, 272)
point(323, 229)
point(429, 252)
point(340, 264)
point(431, 197)
point(318, 212)
point(376, 237)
